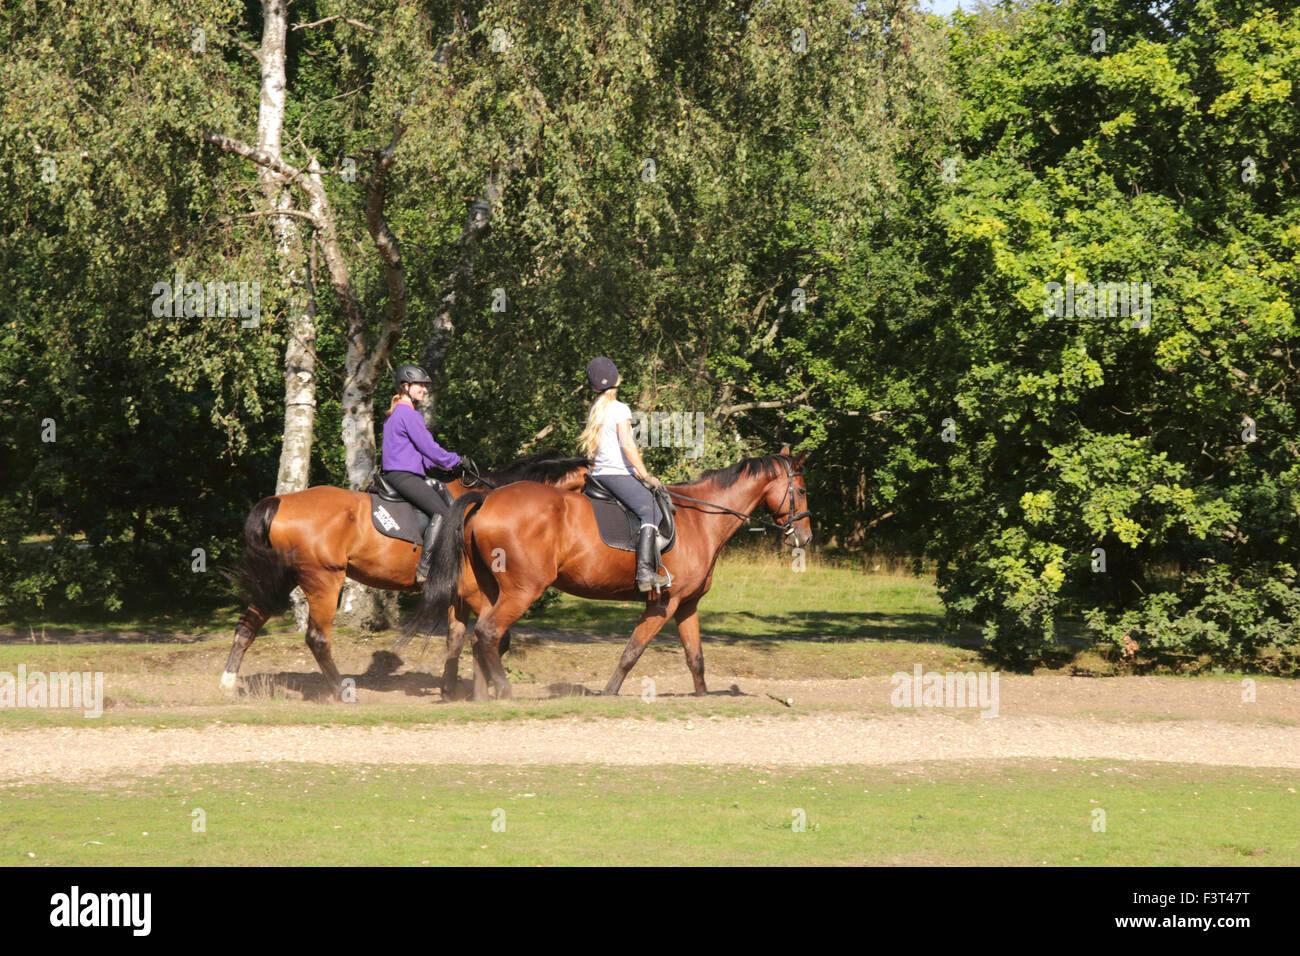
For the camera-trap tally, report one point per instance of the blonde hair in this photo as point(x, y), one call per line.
point(590, 436)
point(403, 391)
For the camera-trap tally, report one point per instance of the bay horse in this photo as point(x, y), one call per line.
point(315, 538)
point(499, 550)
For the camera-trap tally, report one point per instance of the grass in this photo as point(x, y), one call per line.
point(1022, 813)
point(165, 626)
point(759, 595)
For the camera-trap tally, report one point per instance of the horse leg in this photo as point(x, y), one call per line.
point(490, 628)
point(455, 643)
point(245, 632)
point(481, 669)
point(322, 602)
point(479, 591)
point(688, 629)
point(653, 618)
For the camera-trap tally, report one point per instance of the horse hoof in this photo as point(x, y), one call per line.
point(228, 680)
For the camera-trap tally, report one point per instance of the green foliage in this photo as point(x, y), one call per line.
point(1083, 433)
point(159, 426)
point(1220, 613)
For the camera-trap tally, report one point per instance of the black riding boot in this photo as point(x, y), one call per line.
point(646, 559)
point(426, 556)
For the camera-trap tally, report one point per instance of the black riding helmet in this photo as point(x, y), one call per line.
point(413, 375)
point(601, 374)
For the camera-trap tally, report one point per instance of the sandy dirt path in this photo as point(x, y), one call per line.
point(76, 754)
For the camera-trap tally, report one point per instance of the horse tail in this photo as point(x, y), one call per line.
point(266, 575)
point(443, 582)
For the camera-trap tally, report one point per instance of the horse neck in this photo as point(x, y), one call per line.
point(719, 526)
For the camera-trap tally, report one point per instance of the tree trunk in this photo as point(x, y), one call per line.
point(359, 605)
point(300, 305)
point(299, 389)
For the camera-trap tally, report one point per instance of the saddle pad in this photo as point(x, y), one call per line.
point(619, 528)
point(398, 519)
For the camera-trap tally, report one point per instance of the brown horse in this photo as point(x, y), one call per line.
point(520, 539)
point(315, 538)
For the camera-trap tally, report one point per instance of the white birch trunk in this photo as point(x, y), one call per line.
point(300, 306)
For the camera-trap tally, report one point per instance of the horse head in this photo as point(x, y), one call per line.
point(786, 498)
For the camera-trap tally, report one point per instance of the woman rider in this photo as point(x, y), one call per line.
point(408, 448)
point(617, 465)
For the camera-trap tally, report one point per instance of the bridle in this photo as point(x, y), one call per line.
point(786, 527)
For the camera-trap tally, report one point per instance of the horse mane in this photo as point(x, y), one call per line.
point(764, 465)
point(545, 466)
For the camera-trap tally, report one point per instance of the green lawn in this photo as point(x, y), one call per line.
point(1022, 813)
point(758, 594)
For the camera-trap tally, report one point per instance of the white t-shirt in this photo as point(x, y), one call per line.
point(609, 454)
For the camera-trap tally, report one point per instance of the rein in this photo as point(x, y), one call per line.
point(478, 479)
point(785, 527)
point(472, 478)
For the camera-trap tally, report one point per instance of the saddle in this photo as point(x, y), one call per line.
point(394, 516)
point(619, 526)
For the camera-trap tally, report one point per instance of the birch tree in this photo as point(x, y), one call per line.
point(300, 341)
point(368, 350)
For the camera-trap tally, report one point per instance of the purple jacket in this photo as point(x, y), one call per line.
point(408, 446)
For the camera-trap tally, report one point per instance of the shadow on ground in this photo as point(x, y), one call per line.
point(381, 675)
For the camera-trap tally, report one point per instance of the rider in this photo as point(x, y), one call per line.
point(408, 448)
point(617, 465)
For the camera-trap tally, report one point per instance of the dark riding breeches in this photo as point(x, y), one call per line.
point(629, 490)
point(412, 487)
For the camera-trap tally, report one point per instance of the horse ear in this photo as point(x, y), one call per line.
point(785, 449)
point(799, 459)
